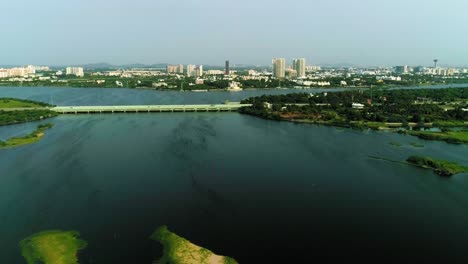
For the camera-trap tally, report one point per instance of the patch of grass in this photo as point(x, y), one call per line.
point(20, 103)
point(455, 137)
point(441, 167)
point(52, 247)
point(396, 144)
point(33, 137)
point(178, 250)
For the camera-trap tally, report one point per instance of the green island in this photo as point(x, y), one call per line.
point(52, 247)
point(33, 137)
point(407, 111)
point(13, 111)
point(178, 250)
point(454, 137)
point(440, 167)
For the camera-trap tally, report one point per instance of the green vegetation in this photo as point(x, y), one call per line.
point(396, 144)
point(178, 250)
point(33, 137)
point(9, 115)
point(21, 116)
point(376, 109)
point(52, 247)
point(440, 167)
point(20, 103)
point(454, 137)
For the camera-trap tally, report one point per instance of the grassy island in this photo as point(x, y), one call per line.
point(13, 111)
point(178, 250)
point(454, 137)
point(379, 109)
point(21, 103)
point(440, 167)
point(33, 137)
point(52, 247)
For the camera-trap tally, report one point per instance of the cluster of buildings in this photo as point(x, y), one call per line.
point(405, 69)
point(27, 71)
point(77, 71)
point(297, 69)
point(175, 69)
point(194, 71)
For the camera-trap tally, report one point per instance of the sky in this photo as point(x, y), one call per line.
point(325, 32)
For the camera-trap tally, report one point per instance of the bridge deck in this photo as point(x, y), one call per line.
point(147, 108)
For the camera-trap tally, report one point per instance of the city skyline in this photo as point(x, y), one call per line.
point(358, 32)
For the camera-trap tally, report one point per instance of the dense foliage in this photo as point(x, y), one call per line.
point(12, 117)
point(393, 106)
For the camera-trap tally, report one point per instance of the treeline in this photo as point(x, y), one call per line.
point(362, 96)
point(12, 117)
point(393, 106)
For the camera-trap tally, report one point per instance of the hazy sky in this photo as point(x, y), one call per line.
point(362, 32)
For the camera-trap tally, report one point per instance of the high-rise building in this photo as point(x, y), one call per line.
point(190, 70)
point(402, 69)
point(300, 66)
point(227, 68)
point(181, 68)
point(77, 71)
point(279, 67)
point(199, 71)
point(172, 68)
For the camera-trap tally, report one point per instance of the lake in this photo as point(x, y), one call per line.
point(257, 190)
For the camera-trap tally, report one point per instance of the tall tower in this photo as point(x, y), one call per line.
point(435, 63)
point(300, 66)
point(279, 67)
point(227, 68)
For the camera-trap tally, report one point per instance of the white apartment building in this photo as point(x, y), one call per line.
point(300, 66)
point(190, 70)
point(214, 72)
point(279, 67)
point(77, 71)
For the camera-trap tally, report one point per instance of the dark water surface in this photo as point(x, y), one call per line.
point(257, 190)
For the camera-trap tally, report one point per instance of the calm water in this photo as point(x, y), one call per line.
point(257, 190)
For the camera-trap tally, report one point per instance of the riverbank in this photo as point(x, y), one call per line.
point(403, 111)
point(31, 138)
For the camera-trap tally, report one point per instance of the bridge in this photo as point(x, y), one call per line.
point(148, 108)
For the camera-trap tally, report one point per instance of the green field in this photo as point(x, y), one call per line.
point(20, 103)
point(33, 137)
point(52, 247)
point(178, 250)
